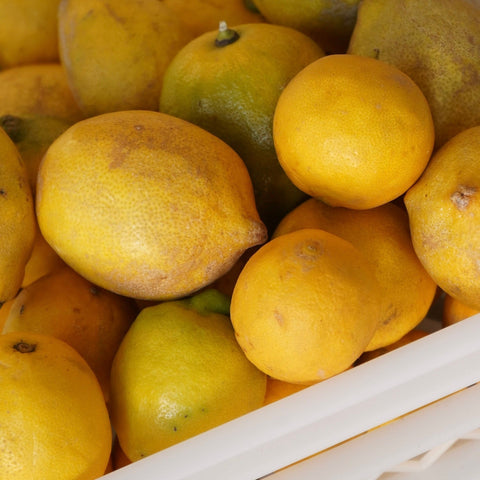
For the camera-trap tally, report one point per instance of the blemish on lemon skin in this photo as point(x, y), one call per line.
point(462, 197)
point(279, 318)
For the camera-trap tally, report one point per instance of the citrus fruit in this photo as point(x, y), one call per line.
point(179, 372)
point(444, 214)
point(329, 22)
point(145, 204)
point(382, 234)
point(54, 421)
point(453, 311)
point(36, 105)
point(228, 81)
point(201, 16)
point(115, 51)
point(65, 305)
point(353, 131)
point(435, 42)
point(28, 32)
point(17, 234)
point(305, 306)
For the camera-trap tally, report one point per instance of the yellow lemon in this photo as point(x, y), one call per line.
point(382, 234)
point(145, 204)
point(179, 372)
point(17, 234)
point(444, 212)
point(353, 131)
point(305, 306)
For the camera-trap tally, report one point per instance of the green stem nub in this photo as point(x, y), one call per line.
point(226, 36)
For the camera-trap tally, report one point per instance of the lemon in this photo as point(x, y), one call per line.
point(54, 424)
point(145, 204)
point(444, 214)
point(305, 306)
point(179, 372)
point(17, 234)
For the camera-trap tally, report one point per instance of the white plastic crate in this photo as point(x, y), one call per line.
point(422, 387)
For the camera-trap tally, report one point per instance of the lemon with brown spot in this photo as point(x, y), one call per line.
point(145, 204)
point(305, 306)
point(444, 213)
point(382, 234)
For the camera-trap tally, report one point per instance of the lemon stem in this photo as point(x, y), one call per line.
point(226, 36)
point(24, 347)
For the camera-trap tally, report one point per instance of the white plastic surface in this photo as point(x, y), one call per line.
point(340, 409)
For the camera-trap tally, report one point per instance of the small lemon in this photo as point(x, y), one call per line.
point(54, 424)
point(305, 306)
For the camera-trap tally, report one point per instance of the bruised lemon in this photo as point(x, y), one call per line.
point(353, 131)
point(305, 306)
point(444, 213)
point(146, 205)
point(382, 234)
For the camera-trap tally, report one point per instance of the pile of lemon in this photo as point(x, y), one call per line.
point(207, 206)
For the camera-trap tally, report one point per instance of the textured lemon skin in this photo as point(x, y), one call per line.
point(179, 372)
point(382, 234)
point(353, 131)
point(17, 234)
point(305, 306)
point(54, 422)
point(145, 204)
point(435, 42)
point(444, 214)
